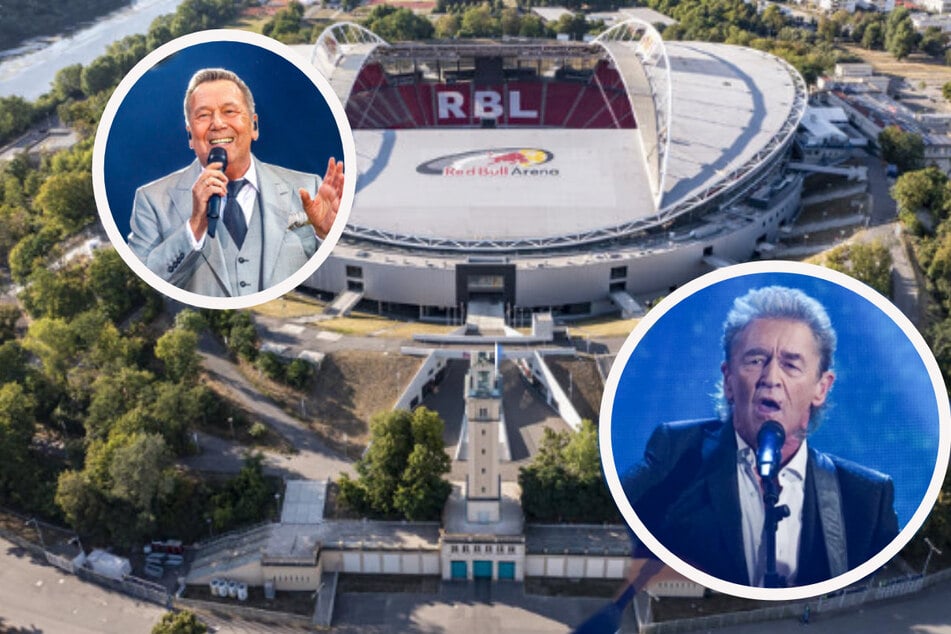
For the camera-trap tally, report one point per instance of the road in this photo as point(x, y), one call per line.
point(313, 459)
point(928, 612)
point(36, 597)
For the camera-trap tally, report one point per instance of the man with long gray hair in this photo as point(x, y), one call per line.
point(698, 489)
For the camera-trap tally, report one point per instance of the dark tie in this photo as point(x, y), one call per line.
point(234, 215)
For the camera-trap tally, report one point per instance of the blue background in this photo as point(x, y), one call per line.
point(881, 411)
point(147, 139)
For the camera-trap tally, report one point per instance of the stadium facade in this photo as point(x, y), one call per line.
point(541, 175)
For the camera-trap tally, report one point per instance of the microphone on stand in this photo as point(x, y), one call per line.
point(217, 155)
point(769, 457)
point(769, 449)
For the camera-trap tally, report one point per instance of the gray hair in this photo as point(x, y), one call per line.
point(218, 74)
point(778, 302)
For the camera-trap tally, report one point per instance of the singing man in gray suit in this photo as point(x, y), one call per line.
point(270, 223)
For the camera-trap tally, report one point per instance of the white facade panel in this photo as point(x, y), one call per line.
point(391, 563)
point(535, 566)
point(353, 562)
point(430, 564)
point(575, 567)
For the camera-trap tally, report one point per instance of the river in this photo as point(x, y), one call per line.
point(30, 75)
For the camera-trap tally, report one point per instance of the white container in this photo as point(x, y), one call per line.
point(232, 588)
point(242, 592)
point(213, 587)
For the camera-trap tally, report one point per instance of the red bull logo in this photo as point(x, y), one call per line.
point(496, 162)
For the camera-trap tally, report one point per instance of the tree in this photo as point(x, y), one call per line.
point(510, 22)
point(563, 482)
point(478, 22)
point(15, 224)
point(32, 251)
point(100, 75)
point(177, 348)
point(574, 25)
point(16, 115)
point(904, 149)
point(873, 37)
point(113, 396)
point(946, 91)
point(9, 316)
point(531, 26)
point(828, 30)
point(920, 193)
point(900, 35)
point(773, 19)
point(401, 473)
point(447, 26)
point(117, 289)
point(933, 41)
point(246, 498)
point(398, 24)
point(137, 469)
point(285, 26)
point(67, 84)
point(298, 373)
point(182, 622)
point(56, 293)
point(870, 263)
point(16, 432)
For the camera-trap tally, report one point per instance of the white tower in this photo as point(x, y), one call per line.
point(484, 419)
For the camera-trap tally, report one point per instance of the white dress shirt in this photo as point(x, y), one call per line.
point(792, 482)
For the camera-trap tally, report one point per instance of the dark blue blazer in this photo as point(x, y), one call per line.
point(685, 492)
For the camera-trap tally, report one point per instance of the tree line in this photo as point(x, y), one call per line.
point(25, 20)
point(924, 208)
point(79, 93)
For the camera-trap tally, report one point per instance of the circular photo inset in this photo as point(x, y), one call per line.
point(224, 169)
point(775, 430)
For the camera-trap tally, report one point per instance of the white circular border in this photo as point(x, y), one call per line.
point(797, 592)
point(349, 160)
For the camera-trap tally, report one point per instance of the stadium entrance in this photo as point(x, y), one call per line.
point(485, 282)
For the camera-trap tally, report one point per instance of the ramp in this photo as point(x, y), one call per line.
point(326, 594)
point(628, 305)
point(344, 303)
point(486, 316)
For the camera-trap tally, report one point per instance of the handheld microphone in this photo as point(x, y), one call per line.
point(217, 155)
point(769, 440)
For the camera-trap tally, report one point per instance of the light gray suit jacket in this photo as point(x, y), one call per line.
point(278, 243)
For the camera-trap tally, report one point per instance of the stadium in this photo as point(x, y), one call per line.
point(576, 178)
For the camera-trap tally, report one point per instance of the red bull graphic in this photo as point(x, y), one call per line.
point(500, 162)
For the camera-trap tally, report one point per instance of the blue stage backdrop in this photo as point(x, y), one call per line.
point(148, 140)
point(881, 411)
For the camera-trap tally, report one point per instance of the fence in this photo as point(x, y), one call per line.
point(230, 611)
point(843, 601)
point(132, 586)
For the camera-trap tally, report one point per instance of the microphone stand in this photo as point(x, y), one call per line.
point(773, 515)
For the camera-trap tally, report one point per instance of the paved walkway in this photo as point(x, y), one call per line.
point(461, 608)
point(313, 459)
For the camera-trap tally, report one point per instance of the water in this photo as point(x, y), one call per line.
point(30, 75)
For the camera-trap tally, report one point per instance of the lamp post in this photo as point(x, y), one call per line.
point(39, 531)
point(931, 550)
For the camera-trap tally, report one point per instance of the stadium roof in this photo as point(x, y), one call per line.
point(733, 111)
